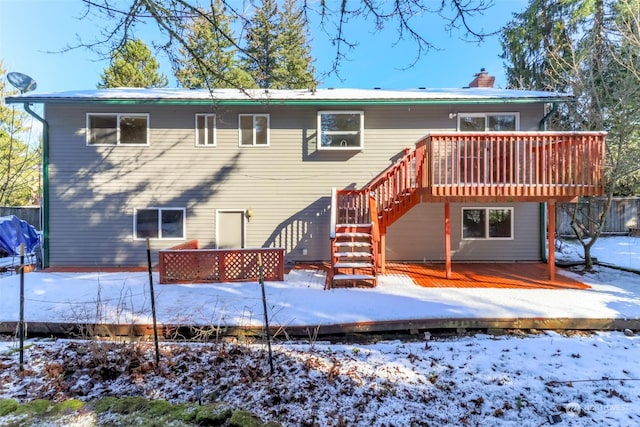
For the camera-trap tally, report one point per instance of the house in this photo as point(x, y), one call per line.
point(443, 174)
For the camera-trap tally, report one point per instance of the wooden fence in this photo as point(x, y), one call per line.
point(31, 214)
point(186, 263)
point(623, 216)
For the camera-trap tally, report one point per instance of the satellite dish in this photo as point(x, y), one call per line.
point(22, 82)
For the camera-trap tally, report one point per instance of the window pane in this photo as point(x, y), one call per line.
point(210, 131)
point(472, 124)
point(172, 224)
point(103, 130)
point(200, 124)
point(340, 129)
point(473, 222)
point(502, 122)
point(147, 223)
point(499, 222)
point(133, 130)
point(262, 126)
point(246, 130)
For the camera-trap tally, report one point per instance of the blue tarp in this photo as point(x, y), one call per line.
point(14, 231)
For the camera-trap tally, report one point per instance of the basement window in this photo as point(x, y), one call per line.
point(159, 223)
point(340, 130)
point(487, 223)
point(117, 129)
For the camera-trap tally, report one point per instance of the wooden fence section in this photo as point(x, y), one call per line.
point(186, 263)
point(31, 214)
point(623, 216)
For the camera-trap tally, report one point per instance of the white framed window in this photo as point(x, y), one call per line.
point(488, 122)
point(159, 223)
point(340, 130)
point(205, 130)
point(254, 130)
point(487, 223)
point(117, 129)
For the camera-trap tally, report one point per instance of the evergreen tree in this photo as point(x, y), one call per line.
point(296, 70)
point(133, 65)
point(277, 53)
point(263, 48)
point(209, 58)
point(19, 161)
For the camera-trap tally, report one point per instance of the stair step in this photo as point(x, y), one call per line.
point(354, 225)
point(353, 265)
point(353, 234)
point(352, 244)
point(338, 277)
point(353, 254)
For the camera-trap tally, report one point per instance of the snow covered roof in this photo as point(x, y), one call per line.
point(178, 96)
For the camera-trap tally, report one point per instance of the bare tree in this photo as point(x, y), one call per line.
point(172, 18)
point(604, 74)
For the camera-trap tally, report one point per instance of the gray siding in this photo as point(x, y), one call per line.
point(94, 190)
point(419, 235)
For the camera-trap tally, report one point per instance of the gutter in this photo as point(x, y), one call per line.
point(279, 102)
point(542, 206)
point(44, 201)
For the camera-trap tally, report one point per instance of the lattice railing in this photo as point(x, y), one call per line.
point(179, 265)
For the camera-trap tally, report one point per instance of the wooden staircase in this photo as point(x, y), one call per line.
point(354, 255)
point(358, 217)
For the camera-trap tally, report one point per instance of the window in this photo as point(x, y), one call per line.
point(254, 130)
point(205, 130)
point(117, 129)
point(340, 130)
point(159, 223)
point(487, 223)
point(481, 122)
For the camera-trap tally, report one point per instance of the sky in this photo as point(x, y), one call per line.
point(32, 31)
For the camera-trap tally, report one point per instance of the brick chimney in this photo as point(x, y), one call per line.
point(482, 79)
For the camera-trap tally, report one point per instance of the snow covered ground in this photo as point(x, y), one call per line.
point(515, 380)
point(124, 298)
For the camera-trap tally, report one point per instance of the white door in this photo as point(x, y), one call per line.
point(230, 229)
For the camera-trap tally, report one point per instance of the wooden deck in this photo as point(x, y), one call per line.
point(476, 275)
point(485, 275)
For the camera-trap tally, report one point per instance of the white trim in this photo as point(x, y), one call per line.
point(184, 223)
point(486, 225)
point(486, 116)
point(244, 225)
point(319, 132)
point(207, 117)
point(118, 116)
point(254, 115)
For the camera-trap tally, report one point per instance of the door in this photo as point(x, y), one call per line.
point(230, 229)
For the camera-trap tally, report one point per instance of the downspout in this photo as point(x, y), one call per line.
point(44, 201)
point(542, 126)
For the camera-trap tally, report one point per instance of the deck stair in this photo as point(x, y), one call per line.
point(353, 260)
point(360, 216)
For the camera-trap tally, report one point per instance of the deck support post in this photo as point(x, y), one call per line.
point(383, 252)
point(551, 238)
point(447, 239)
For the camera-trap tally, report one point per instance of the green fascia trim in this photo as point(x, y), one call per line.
point(286, 102)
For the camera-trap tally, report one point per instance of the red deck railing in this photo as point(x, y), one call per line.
point(186, 263)
point(519, 164)
point(455, 166)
